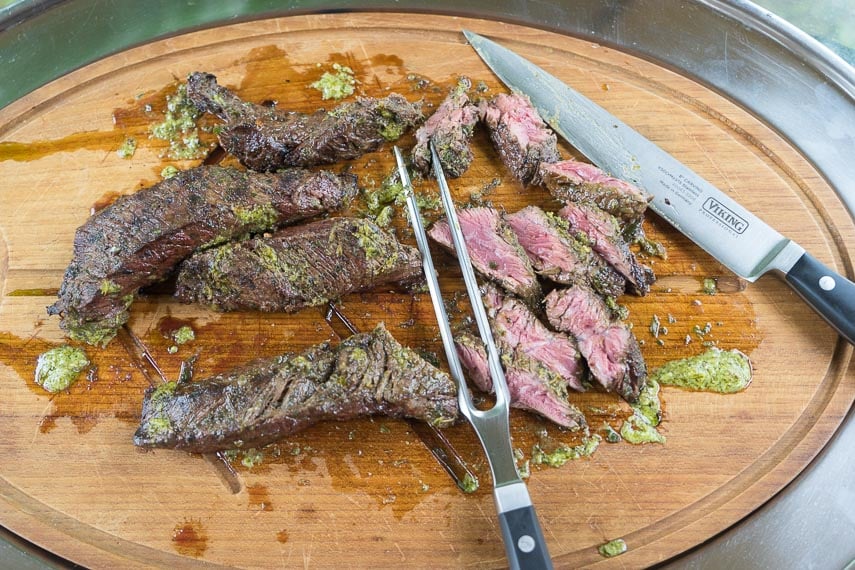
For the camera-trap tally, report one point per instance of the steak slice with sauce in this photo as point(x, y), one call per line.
point(494, 251)
point(574, 181)
point(450, 128)
point(603, 232)
point(520, 136)
point(266, 139)
point(611, 350)
point(271, 398)
point(297, 267)
point(560, 256)
point(140, 238)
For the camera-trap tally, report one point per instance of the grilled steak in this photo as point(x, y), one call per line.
point(532, 386)
point(450, 128)
point(516, 328)
point(268, 399)
point(494, 250)
point(519, 134)
point(297, 267)
point(603, 232)
point(140, 238)
point(560, 256)
point(609, 347)
point(266, 139)
point(575, 181)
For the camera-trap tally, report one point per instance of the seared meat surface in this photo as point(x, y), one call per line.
point(266, 139)
point(268, 399)
point(140, 238)
point(494, 251)
point(450, 128)
point(297, 267)
point(519, 135)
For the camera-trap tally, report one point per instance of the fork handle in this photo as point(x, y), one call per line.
point(524, 541)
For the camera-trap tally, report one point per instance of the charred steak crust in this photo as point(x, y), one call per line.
point(297, 267)
point(494, 250)
point(519, 135)
point(266, 139)
point(140, 238)
point(450, 128)
point(268, 399)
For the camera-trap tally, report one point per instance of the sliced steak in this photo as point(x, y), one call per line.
point(532, 386)
point(571, 180)
point(560, 256)
point(494, 251)
point(140, 238)
point(297, 267)
point(603, 232)
point(609, 347)
point(268, 399)
point(450, 128)
point(519, 134)
point(266, 139)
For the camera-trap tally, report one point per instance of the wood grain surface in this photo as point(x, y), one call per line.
point(370, 492)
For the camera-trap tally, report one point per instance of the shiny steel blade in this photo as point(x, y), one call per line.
point(727, 231)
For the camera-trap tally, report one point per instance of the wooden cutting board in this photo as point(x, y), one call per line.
point(370, 492)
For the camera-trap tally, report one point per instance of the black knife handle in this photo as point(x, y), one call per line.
point(830, 294)
point(524, 542)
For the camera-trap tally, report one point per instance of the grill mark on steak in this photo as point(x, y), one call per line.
point(450, 128)
point(603, 232)
point(494, 251)
point(268, 399)
point(611, 350)
point(266, 139)
point(520, 136)
point(297, 267)
point(532, 386)
point(141, 237)
point(574, 181)
point(560, 256)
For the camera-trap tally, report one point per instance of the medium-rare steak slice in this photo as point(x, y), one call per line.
point(266, 139)
point(532, 386)
point(609, 347)
point(571, 180)
point(141, 237)
point(494, 251)
point(516, 328)
point(450, 128)
point(268, 399)
point(519, 134)
point(297, 267)
point(603, 233)
point(560, 256)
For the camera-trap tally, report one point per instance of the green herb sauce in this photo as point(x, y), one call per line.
point(169, 172)
point(59, 368)
point(128, 148)
point(638, 430)
point(183, 335)
point(722, 371)
point(612, 548)
point(179, 127)
point(337, 84)
point(565, 453)
point(469, 484)
point(256, 218)
point(709, 286)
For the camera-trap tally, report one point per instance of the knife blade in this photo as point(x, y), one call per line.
point(737, 238)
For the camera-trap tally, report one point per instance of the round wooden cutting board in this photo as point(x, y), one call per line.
point(370, 493)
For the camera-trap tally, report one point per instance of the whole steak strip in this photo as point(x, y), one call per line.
point(516, 328)
point(575, 181)
point(532, 385)
point(297, 267)
point(450, 128)
point(141, 237)
point(266, 139)
point(560, 256)
point(494, 250)
point(268, 399)
point(603, 232)
point(611, 350)
point(519, 134)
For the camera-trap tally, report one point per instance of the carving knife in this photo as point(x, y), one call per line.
point(525, 545)
point(723, 228)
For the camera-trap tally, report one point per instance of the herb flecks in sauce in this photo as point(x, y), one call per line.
point(179, 127)
point(636, 430)
point(183, 335)
point(710, 286)
point(564, 453)
point(60, 367)
point(337, 84)
point(469, 483)
point(128, 148)
point(612, 548)
point(722, 371)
